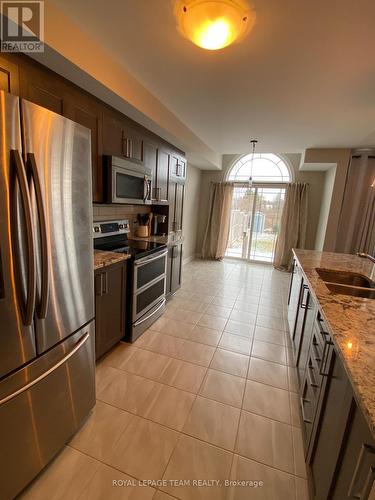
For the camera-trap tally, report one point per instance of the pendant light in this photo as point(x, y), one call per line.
point(214, 24)
point(253, 143)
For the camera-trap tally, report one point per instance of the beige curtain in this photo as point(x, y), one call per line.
point(218, 223)
point(357, 221)
point(293, 225)
point(366, 233)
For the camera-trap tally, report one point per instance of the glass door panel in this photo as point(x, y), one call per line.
point(266, 224)
point(255, 222)
point(240, 224)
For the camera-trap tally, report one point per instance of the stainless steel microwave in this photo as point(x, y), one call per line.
point(127, 182)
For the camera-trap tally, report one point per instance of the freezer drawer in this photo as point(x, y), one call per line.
point(41, 407)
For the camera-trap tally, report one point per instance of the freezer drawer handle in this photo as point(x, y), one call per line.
point(48, 372)
point(28, 309)
point(42, 308)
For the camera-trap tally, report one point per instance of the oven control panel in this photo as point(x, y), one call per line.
point(110, 228)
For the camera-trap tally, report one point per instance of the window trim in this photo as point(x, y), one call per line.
point(258, 183)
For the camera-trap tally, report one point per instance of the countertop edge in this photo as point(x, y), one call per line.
point(105, 259)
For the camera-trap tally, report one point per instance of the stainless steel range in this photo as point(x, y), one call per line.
point(147, 278)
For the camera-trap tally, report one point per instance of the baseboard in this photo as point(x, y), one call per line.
point(189, 259)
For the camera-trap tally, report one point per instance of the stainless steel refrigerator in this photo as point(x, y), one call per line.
point(47, 368)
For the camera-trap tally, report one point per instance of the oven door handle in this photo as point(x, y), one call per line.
point(146, 260)
point(150, 315)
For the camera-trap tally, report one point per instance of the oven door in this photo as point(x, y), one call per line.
point(128, 186)
point(149, 283)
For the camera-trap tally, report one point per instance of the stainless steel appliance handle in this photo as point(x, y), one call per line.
point(150, 315)
point(28, 309)
point(43, 305)
point(146, 260)
point(146, 189)
point(48, 372)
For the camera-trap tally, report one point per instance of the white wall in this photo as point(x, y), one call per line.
point(333, 192)
point(191, 211)
point(321, 231)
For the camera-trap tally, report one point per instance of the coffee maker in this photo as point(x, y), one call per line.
point(157, 221)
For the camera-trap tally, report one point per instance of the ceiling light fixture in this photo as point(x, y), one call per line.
point(214, 24)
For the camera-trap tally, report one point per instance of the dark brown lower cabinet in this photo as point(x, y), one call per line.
point(329, 423)
point(110, 300)
point(305, 337)
point(341, 451)
point(174, 268)
point(355, 472)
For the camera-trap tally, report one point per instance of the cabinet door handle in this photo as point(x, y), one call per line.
point(304, 305)
point(124, 145)
point(324, 360)
point(355, 491)
point(105, 282)
point(99, 284)
point(306, 420)
point(310, 369)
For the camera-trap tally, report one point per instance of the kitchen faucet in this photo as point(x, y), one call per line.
point(366, 256)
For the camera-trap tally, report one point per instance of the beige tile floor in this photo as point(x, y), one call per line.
point(207, 393)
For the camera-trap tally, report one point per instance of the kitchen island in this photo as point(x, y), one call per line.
point(333, 338)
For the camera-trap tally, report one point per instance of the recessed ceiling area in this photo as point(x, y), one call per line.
point(304, 77)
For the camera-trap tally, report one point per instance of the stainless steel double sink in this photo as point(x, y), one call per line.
point(347, 283)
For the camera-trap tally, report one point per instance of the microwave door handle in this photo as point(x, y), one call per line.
point(147, 189)
point(42, 309)
point(28, 309)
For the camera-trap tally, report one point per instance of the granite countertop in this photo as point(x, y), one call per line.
point(102, 258)
point(350, 320)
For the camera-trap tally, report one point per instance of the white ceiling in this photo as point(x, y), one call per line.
point(303, 78)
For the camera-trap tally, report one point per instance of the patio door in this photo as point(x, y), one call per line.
point(255, 222)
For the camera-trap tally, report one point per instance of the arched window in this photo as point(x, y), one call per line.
point(266, 167)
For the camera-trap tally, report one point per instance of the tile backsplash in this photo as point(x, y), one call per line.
point(112, 212)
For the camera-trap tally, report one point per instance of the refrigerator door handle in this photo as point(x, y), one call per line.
point(27, 309)
point(43, 305)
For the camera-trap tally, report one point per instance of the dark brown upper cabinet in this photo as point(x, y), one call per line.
point(161, 190)
point(178, 166)
point(150, 156)
point(157, 159)
point(132, 140)
point(120, 138)
point(42, 87)
point(9, 76)
point(86, 111)
point(112, 134)
point(176, 205)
